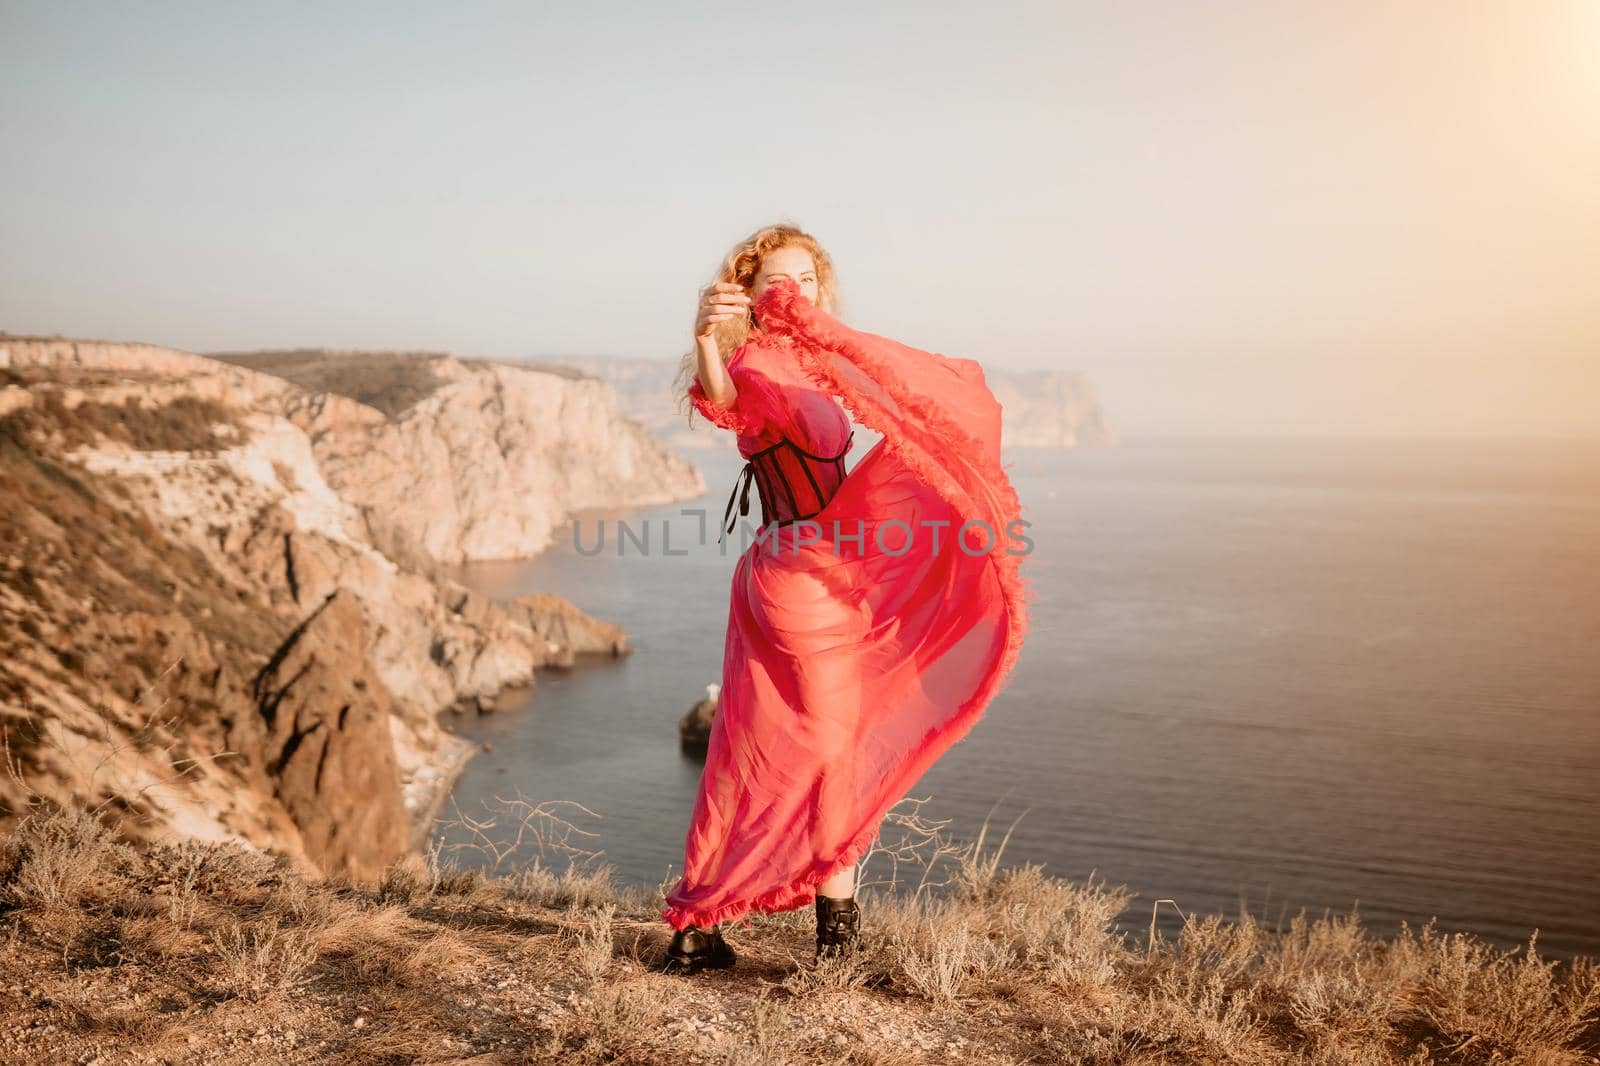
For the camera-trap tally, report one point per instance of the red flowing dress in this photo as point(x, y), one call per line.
point(873, 617)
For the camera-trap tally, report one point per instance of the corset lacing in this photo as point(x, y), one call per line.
point(793, 484)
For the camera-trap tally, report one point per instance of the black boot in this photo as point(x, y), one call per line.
point(837, 926)
point(694, 949)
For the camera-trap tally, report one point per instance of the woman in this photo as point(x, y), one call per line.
point(868, 627)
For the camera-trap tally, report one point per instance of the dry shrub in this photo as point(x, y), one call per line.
point(766, 1040)
point(192, 877)
point(617, 1022)
point(1342, 1009)
point(577, 886)
point(939, 953)
point(1200, 995)
point(262, 959)
point(217, 868)
point(593, 943)
point(1326, 943)
point(1333, 985)
point(1507, 1004)
point(993, 920)
point(1213, 949)
point(56, 855)
point(1057, 927)
point(1203, 1016)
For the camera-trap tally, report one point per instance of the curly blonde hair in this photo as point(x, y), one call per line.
point(741, 265)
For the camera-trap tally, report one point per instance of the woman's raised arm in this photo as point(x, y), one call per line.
point(719, 301)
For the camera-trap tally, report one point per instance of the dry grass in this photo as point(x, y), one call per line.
point(186, 424)
point(392, 382)
point(192, 952)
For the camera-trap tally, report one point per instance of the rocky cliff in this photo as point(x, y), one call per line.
point(473, 458)
point(220, 609)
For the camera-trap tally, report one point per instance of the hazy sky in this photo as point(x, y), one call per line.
point(1349, 216)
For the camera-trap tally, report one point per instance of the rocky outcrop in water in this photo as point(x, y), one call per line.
point(694, 728)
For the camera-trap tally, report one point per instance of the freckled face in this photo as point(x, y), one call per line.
point(792, 262)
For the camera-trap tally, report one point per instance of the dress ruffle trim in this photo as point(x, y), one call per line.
point(789, 319)
point(743, 416)
point(783, 898)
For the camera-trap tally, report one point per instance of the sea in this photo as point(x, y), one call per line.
point(1265, 675)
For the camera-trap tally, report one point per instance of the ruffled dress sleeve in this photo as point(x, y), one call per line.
point(750, 412)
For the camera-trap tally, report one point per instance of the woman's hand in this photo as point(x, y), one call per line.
point(719, 301)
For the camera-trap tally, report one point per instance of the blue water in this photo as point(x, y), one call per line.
point(1273, 673)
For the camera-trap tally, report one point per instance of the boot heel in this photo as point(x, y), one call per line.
point(838, 926)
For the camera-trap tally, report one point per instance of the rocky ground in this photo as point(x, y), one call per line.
point(216, 954)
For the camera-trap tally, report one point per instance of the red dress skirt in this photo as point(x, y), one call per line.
point(873, 616)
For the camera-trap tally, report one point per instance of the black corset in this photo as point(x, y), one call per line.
point(793, 483)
